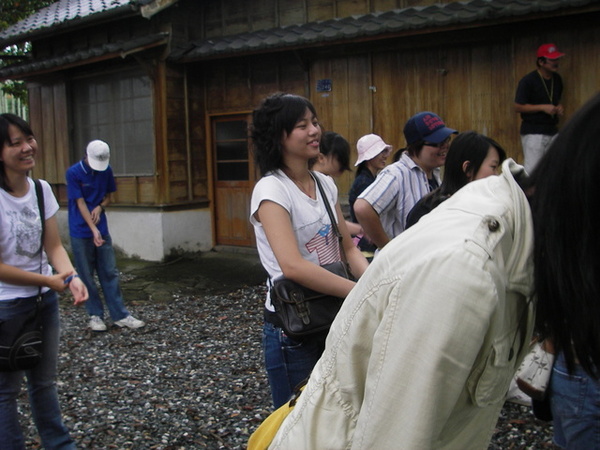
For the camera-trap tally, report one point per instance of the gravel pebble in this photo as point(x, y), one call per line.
point(193, 377)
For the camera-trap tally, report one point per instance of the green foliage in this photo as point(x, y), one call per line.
point(11, 12)
point(15, 88)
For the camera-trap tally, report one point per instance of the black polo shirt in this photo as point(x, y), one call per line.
point(533, 89)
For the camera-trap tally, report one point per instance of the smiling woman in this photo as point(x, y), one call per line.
point(294, 234)
point(17, 158)
point(25, 276)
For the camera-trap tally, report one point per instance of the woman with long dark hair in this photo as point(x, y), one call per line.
point(471, 156)
point(565, 205)
point(294, 235)
point(24, 272)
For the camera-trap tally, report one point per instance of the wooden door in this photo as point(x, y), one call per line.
point(234, 178)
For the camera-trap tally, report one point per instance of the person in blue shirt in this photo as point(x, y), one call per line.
point(89, 185)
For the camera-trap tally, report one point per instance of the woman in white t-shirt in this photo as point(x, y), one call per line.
point(24, 270)
point(293, 231)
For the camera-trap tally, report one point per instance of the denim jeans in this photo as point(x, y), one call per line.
point(41, 383)
point(575, 401)
point(288, 362)
point(90, 259)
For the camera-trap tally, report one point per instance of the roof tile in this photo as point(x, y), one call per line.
point(378, 23)
point(60, 13)
point(81, 55)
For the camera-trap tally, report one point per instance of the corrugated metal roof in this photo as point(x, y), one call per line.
point(368, 25)
point(63, 13)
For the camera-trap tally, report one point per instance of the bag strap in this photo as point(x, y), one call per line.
point(40, 201)
point(41, 206)
point(334, 224)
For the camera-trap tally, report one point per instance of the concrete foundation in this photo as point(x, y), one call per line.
point(153, 235)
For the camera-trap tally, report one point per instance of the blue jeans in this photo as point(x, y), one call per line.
point(41, 383)
point(90, 259)
point(288, 362)
point(575, 401)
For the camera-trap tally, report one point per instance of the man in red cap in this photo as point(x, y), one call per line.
point(538, 101)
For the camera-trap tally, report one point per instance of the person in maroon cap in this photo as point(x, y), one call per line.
point(538, 101)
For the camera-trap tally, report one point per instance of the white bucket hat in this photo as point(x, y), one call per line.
point(369, 146)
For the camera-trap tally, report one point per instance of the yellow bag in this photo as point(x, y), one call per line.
point(264, 434)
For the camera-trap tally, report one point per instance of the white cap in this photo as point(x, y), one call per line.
point(369, 147)
point(98, 155)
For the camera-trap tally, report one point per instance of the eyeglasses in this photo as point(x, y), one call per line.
point(439, 144)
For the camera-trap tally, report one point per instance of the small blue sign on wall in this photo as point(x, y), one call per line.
point(324, 85)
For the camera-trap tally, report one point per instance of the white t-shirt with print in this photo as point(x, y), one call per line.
point(310, 222)
point(20, 236)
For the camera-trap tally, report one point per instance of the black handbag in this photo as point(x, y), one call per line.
point(21, 336)
point(300, 311)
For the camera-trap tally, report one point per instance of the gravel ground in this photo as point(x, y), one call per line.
point(192, 378)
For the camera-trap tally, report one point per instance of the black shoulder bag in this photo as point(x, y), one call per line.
point(300, 311)
point(21, 336)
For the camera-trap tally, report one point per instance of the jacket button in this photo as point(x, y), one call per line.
point(493, 225)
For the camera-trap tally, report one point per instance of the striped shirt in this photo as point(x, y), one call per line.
point(395, 191)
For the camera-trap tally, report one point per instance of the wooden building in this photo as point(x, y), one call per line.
point(170, 85)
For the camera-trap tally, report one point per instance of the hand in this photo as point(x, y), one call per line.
point(57, 282)
point(549, 109)
point(79, 291)
point(98, 241)
point(95, 214)
point(560, 110)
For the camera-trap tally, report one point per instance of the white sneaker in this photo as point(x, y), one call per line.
point(130, 322)
point(97, 324)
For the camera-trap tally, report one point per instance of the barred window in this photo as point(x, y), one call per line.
point(116, 108)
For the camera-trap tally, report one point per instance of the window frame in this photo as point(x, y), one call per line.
point(127, 151)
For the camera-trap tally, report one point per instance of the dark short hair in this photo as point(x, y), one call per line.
point(277, 114)
point(414, 149)
point(336, 145)
point(6, 120)
point(540, 60)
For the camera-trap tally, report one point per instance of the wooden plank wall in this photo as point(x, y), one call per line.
point(239, 85)
point(468, 86)
point(198, 141)
point(48, 121)
point(471, 85)
point(347, 108)
point(226, 17)
point(176, 137)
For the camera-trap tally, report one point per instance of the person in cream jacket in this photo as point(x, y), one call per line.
point(423, 351)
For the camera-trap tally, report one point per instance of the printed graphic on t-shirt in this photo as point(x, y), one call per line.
point(325, 244)
point(25, 231)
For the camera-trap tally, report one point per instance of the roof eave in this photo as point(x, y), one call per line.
point(384, 35)
point(120, 12)
point(124, 50)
